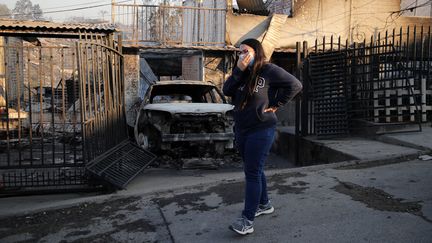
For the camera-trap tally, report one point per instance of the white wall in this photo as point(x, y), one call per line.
point(420, 11)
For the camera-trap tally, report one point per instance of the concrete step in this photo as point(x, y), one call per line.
point(322, 151)
point(365, 128)
point(421, 140)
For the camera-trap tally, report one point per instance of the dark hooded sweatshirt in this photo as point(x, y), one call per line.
point(274, 88)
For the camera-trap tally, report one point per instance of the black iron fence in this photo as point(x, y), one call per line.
point(381, 85)
point(61, 105)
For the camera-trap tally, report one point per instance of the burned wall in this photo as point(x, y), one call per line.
point(13, 61)
point(217, 67)
point(192, 67)
point(2, 72)
point(131, 82)
point(353, 20)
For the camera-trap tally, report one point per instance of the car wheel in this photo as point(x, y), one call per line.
point(143, 141)
point(149, 139)
point(219, 148)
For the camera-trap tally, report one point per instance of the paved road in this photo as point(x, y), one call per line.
point(388, 203)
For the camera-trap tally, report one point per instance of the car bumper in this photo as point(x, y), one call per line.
point(197, 137)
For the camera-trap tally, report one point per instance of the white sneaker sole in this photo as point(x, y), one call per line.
point(249, 231)
point(268, 211)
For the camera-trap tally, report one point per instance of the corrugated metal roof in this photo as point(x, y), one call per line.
point(47, 26)
point(252, 5)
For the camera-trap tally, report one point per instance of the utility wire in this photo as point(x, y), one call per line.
point(69, 10)
point(396, 14)
point(411, 8)
point(74, 5)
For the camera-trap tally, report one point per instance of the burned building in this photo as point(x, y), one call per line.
point(280, 25)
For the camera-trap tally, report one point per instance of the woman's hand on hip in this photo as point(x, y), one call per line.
point(271, 109)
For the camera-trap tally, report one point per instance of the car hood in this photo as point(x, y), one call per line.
point(198, 108)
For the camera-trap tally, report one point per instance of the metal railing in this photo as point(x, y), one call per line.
point(156, 25)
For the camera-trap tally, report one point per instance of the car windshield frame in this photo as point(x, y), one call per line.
point(185, 93)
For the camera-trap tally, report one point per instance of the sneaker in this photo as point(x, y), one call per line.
point(242, 226)
point(264, 209)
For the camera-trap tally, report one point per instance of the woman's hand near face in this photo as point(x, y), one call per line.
point(243, 63)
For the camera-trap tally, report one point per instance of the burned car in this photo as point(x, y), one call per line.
point(185, 116)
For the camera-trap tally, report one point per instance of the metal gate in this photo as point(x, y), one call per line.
point(61, 105)
point(100, 71)
point(383, 85)
point(107, 153)
point(329, 77)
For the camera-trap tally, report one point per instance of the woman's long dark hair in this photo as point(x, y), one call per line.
point(251, 80)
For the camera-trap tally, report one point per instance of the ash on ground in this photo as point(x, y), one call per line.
point(229, 161)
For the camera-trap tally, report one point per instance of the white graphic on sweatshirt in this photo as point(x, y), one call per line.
point(260, 84)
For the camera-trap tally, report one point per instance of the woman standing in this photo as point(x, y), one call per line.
point(257, 89)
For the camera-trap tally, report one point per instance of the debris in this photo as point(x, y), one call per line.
point(200, 163)
point(425, 157)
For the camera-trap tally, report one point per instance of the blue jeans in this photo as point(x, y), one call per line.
point(254, 148)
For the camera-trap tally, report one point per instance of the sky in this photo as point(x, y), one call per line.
point(53, 5)
point(94, 13)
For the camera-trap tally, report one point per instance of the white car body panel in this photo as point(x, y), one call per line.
point(193, 108)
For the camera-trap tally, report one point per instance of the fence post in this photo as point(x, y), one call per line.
point(297, 108)
point(113, 14)
point(429, 59)
point(305, 96)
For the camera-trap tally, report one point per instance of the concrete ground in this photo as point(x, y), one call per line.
point(384, 195)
